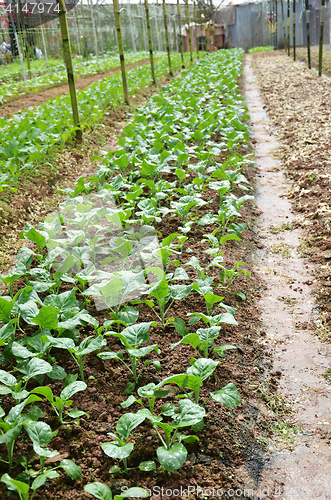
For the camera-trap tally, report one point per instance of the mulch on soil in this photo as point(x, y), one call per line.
point(298, 103)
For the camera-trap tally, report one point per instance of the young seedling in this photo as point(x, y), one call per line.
point(121, 449)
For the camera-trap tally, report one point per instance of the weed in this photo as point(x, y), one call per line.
point(282, 249)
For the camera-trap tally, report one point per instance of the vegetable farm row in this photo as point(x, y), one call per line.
point(113, 272)
point(44, 79)
point(28, 138)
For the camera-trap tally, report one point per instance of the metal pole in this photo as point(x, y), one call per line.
point(167, 36)
point(68, 62)
point(288, 29)
point(294, 55)
point(282, 5)
point(196, 29)
point(308, 34)
point(150, 42)
point(132, 29)
point(320, 55)
point(121, 49)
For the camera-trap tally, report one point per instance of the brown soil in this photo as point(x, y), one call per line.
point(19, 103)
point(301, 53)
point(298, 103)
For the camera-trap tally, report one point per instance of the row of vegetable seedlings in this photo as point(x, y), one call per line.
point(93, 248)
point(29, 138)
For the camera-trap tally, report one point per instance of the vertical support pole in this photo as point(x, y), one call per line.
point(84, 30)
point(41, 18)
point(94, 31)
point(26, 45)
point(212, 33)
point(180, 34)
point(100, 29)
point(294, 54)
point(121, 49)
point(196, 29)
point(78, 34)
point(288, 29)
point(150, 41)
point(18, 46)
point(320, 54)
point(167, 36)
point(157, 28)
point(144, 30)
point(68, 62)
point(134, 48)
point(283, 18)
point(189, 30)
point(308, 34)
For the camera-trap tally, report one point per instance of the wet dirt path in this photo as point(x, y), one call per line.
point(288, 310)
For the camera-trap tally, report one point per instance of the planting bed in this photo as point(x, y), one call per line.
point(184, 168)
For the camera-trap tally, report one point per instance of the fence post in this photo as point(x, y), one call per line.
point(189, 30)
point(320, 55)
point(150, 41)
point(180, 34)
point(308, 34)
point(68, 62)
point(167, 36)
point(196, 29)
point(121, 49)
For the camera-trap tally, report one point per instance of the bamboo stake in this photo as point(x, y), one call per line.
point(78, 35)
point(294, 55)
point(121, 49)
point(144, 31)
point(288, 28)
point(189, 30)
point(320, 55)
point(308, 34)
point(196, 29)
point(150, 42)
point(180, 34)
point(131, 26)
point(68, 62)
point(165, 19)
point(282, 6)
point(26, 45)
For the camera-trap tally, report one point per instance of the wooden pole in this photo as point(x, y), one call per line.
point(282, 6)
point(157, 28)
point(196, 30)
point(180, 35)
point(68, 62)
point(308, 34)
point(294, 54)
point(189, 30)
point(320, 54)
point(165, 18)
point(94, 31)
point(144, 31)
point(150, 41)
point(121, 49)
point(26, 45)
point(100, 29)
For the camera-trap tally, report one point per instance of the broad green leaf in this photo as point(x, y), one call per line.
point(114, 450)
point(72, 389)
point(41, 480)
point(228, 396)
point(18, 486)
point(7, 379)
point(127, 423)
point(173, 458)
point(36, 367)
point(134, 492)
point(47, 317)
point(40, 434)
point(147, 466)
point(203, 368)
point(99, 490)
point(190, 414)
point(74, 471)
point(222, 348)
